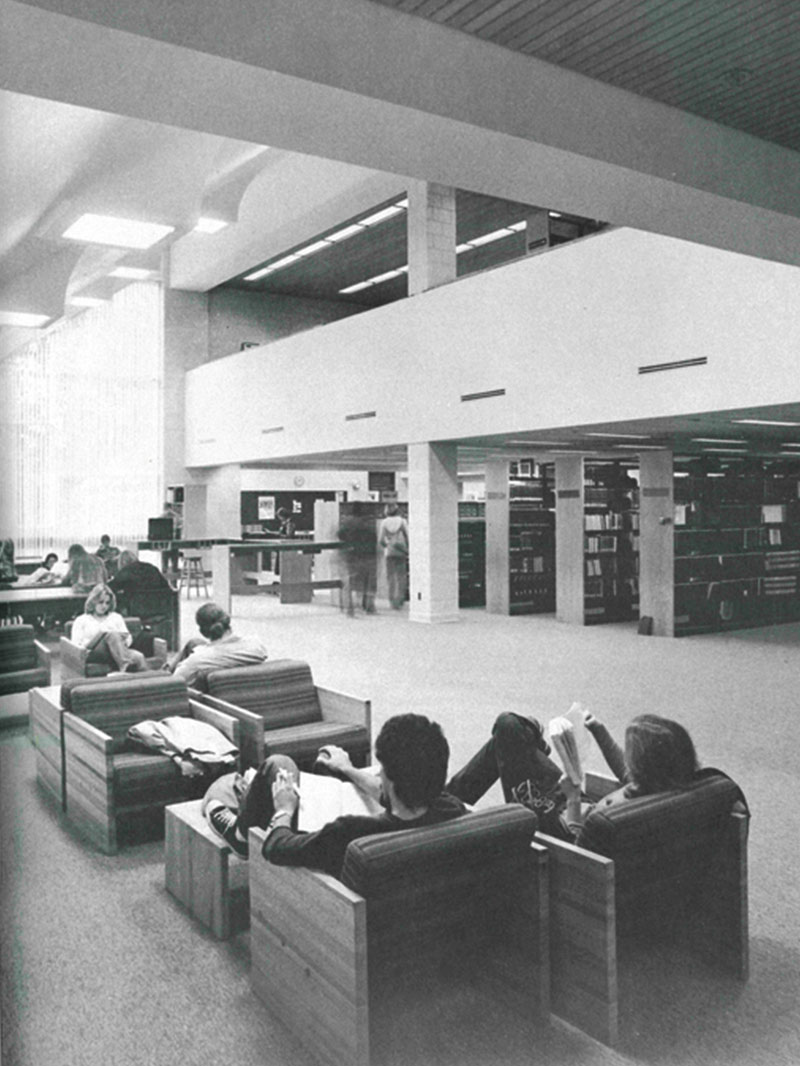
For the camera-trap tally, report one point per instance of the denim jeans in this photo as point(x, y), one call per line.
point(256, 807)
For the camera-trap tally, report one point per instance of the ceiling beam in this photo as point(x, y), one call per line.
point(358, 82)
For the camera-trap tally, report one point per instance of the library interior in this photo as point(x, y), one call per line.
point(400, 571)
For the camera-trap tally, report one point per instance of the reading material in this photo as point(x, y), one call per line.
point(571, 740)
point(324, 798)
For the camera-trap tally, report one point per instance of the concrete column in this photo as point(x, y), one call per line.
point(497, 544)
point(223, 501)
point(431, 236)
point(569, 539)
point(185, 347)
point(433, 532)
point(537, 231)
point(657, 541)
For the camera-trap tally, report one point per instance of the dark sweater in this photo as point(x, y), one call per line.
point(324, 849)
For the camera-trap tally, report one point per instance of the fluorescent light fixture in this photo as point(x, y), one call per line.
point(25, 319)
point(85, 301)
point(117, 232)
point(463, 248)
point(258, 274)
point(357, 287)
point(287, 259)
point(536, 443)
point(402, 204)
point(133, 273)
point(385, 277)
point(519, 226)
point(740, 450)
point(622, 436)
point(789, 444)
point(641, 447)
point(762, 422)
point(209, 225)
point(719, 440)
point(487, 238)
point(343, 234)
point(715, 475)
point(310, 249)
point(554, 214)
point(381, 216)
point(681, 473)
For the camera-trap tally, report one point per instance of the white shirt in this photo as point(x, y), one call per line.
point(87, 627)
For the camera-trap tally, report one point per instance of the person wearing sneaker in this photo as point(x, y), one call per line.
point(413, 755)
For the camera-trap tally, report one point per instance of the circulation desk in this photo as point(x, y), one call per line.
point(236, 568)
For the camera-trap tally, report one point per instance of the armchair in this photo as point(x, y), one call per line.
point(288, 713)
point(74, 658)
point(107, 786)
point(24, 661)
point(417, 910)
point(670, 866)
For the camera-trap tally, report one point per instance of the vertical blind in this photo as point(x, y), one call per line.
point(82, 435)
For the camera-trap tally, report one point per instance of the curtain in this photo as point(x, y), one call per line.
point(82, 436)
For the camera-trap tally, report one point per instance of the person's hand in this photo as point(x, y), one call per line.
point(334, 758)
point(285, 795)
point(570, 790)
point(588, 718)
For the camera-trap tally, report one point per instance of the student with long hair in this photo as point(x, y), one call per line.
point(103, 631)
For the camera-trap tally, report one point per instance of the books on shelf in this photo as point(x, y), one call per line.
point(324, 798)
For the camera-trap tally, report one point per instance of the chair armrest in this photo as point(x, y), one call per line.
point(252, 726)
point(43, 656)
point(308, 943)
point(72, 653)
point(341, 707)
point(596, 785)
point(225, 723)
point(88, 733)
point(160, 649)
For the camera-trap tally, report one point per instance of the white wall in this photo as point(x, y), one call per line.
point(562, 333)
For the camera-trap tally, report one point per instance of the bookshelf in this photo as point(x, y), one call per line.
point(737, 548)
point(610, 543)
point(532, 547)
point(471, 554)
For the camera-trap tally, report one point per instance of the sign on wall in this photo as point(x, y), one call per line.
point(266, 508)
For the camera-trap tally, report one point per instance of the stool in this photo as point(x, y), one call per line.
point(203, 873)
point(194, 574)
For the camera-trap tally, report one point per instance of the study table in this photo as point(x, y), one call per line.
point(237, 568)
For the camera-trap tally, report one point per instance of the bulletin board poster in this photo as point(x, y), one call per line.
point(266, 508)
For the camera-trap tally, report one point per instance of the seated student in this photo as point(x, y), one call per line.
point(109, 554)
point(43, 575)
point(85, 570)
point(138, 587)
point(104, 633)
point(220, 647)
point(413, 754)
point(659, 756)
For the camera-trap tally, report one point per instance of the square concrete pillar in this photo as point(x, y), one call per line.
point(569, 539)
point(433, 532)
point(431, 236)
point(657, 541)
point(223, 501)
point(497, 543)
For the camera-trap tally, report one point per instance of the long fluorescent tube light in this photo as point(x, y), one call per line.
point(117, 232)
point(641, 447)
point(25, 319)
point(487, 238)
point(621, 436)
point(343, 234)
point(258, 274)
point(740, 450)
point(310, 249)
point(789, 444)
point(719, 440)
point(554, 214)
point(381, 216)
point(209, 225)
point(519, 226)
point(762, 422)
point(357, 287)
point(133, 273)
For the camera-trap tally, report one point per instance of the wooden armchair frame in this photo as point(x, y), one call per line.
point(25, 679)
point(338, 707)
point(74, 658)
point(313, 946)
point(92, 804)
point(583, 923)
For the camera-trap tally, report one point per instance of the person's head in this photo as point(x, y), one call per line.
point(105, 540)
point(212, 621)
point(100, 601)
point(659, 754)
point(413, 754)
point(50, 560)
point(127, 557)
point(391, 509)
point(282, 514)
point(75, 551)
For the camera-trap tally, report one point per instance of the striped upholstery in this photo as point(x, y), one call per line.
point(302, 742)
point(22, 680)
point(467, 870)
point(664, 848)
point(16, 648)
point(143, 780)
point(114, 705)
point(282, 692)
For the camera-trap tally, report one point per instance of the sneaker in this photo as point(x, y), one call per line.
point(530, 795)
point(223, 822)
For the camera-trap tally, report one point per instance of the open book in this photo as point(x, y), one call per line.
point(323, 798)
point(570, 740)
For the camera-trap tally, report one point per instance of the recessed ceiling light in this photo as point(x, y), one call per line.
point(117, 232)
point(85, 301)
point(789, 444)
point(209, 225)
point(357, 287)
point(762, 422)
point(134, 273)
point(463, 248)
point(719, 440)
point(310, 249)
point(343, 234)
point(25, 319)
point(488, 238)
point(519, 226)
point(381, 216)
point(622, 436)
point(554, 214)
point(641, 447)
point(740, 450)
point(258, 274)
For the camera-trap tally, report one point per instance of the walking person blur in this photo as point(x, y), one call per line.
point(360, 555)
point(393, 540)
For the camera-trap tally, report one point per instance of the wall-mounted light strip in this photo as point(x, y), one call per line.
point(677, 364)
point(360, 415)
point(331, 239)
point(467, 396)
point(273, 429)
point(621, 436)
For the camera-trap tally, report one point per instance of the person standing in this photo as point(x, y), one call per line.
point(393, 540)
point(357, 533)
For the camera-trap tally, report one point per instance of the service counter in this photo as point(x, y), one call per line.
point(284, 567)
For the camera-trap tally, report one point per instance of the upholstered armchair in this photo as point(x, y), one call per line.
point(74, 658)
point(670, 867)
point(108, 784)
point(296, 717)
point(416, 910)
point(24, 661)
